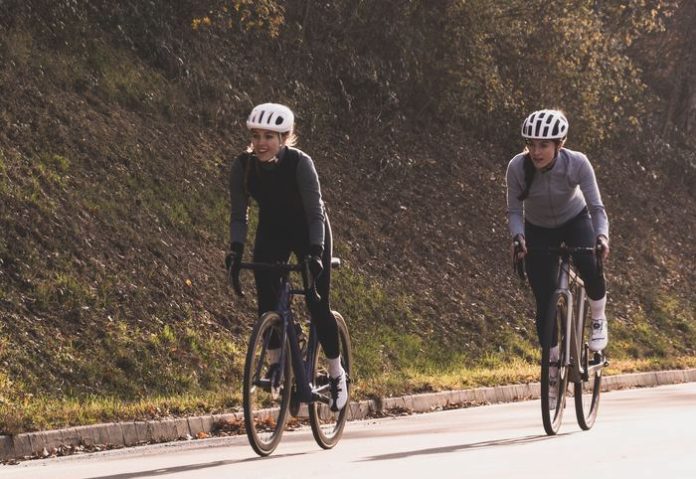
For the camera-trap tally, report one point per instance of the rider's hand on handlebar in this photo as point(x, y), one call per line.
point(603, 247)
point(233, 262)
point(519, 248)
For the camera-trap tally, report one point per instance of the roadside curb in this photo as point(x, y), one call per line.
point(45, 443)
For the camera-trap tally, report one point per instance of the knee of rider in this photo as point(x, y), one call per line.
point(595, 287)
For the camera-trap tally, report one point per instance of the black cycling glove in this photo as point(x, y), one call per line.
point(233, 261)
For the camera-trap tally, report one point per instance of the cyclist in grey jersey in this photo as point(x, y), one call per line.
point(557, 194)
point(553, 197)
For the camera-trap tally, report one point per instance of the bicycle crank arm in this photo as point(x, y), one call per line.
point(316, 397)
point(263, 383)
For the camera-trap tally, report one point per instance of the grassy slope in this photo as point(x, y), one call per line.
point(113, 225)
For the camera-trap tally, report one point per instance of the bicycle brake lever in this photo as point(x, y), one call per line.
point(315, 296)
point(518, 264)
point(236, 284)
point(521, 271)
point(599, 251)
point(309, 280)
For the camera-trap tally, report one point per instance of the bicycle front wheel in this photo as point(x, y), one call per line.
point(327, 425)
point(266, 390)
point(554, 373)
point(587, 391)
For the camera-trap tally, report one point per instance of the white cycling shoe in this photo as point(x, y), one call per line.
point(339, 392)
point(600, 335)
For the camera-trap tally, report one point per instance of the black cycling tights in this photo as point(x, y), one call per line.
point(272, 250)
point(542, 269)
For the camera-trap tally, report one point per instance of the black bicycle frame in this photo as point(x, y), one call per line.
point(302, 369)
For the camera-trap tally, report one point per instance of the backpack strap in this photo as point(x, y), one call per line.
point(246, 159)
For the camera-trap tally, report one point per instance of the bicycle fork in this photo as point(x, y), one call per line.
point(570, 335)
point(303, 370)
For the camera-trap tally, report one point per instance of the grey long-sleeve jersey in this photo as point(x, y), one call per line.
point(309, 189)
point(556, 195)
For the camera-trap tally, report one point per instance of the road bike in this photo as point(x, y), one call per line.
point(286, 367)
point(568, 326)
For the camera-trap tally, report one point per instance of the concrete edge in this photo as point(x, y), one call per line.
point(45, 443)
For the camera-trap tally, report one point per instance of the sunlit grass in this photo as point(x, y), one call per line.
point(516, 372)
point(627, 365)
point(39, 413)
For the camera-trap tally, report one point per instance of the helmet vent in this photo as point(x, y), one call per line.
point(271, 116)
point(545, 125)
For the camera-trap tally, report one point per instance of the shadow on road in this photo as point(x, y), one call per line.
point(461, 447)
point(190, 467)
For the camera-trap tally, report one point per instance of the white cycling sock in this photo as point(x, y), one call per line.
point(335, 368)
point(597, 308)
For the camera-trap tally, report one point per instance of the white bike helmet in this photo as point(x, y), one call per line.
point(271, 116)
point(545, 125)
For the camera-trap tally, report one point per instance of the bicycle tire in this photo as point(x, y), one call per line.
point(587, 392)
point(327, 426)
point(265, 410)
point(553, 393)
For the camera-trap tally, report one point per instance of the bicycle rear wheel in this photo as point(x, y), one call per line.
point(587, 391)
point(266, 388)
point(554, 375)
point(327, 425)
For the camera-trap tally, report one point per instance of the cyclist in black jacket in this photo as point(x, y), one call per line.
point(292, 219)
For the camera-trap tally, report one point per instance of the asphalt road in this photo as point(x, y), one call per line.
point(640, 433)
